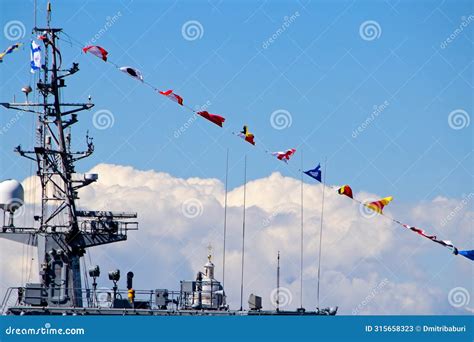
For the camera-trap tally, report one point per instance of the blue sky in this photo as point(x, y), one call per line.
point(319, 69)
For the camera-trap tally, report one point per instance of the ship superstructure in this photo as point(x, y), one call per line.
point(61, 232)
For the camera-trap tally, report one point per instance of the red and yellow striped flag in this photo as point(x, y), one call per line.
point(380, 204)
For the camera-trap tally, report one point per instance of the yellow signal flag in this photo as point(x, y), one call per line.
point(379, 205)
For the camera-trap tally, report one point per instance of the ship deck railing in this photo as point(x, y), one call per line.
point(107, 298)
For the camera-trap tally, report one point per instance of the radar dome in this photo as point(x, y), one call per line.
point(11, 195)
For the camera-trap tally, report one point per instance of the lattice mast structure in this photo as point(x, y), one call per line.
point(61, 232)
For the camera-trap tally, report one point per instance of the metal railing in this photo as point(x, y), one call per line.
point(10, 299)
point(103, 298)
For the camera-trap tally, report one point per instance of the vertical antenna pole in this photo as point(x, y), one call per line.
point(321, 228)
point(34, 13)
point(225, 217)
point(302, 236)
point(243, 237)
point(278, 283)
point(48, 16)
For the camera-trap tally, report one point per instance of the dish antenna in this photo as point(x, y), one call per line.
point(11, 198)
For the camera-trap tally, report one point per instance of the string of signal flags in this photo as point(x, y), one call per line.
point(376, 206)
point(316, 173)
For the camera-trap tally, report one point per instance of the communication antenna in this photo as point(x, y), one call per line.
point(243, 237)
point(321, 229)
point(34, 12)
point(225, 217)
point(301, 239)
point(209, 249)
point(278, 283)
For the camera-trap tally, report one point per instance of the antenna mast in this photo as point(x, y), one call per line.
point(301, 238)
point(278, 283)
point(243, 237)
point(321, 230)
point(34, 12)
point(62, 232)
point(225, 217)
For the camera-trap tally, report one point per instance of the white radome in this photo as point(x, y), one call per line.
point(11, 194)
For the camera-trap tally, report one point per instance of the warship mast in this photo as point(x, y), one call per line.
point(62, 233)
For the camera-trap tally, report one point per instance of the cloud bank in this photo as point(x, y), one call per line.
point(369, 265)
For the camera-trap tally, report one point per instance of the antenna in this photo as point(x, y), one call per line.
point(321, 228)
point(243, 237)
point(225, 217)
point(34, 12)
point(48, 17)
point(278, 283)
point(209, 251)
point(302, 238)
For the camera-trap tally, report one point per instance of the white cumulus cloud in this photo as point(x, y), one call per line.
point(359, 254)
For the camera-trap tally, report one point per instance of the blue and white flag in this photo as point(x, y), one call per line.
point(315, 173)
point(468, 254)
point(35, 57)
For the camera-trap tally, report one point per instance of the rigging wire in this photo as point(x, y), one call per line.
point(321, 233)
point(301, 237)
point(225, 216)
point(243, 237)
